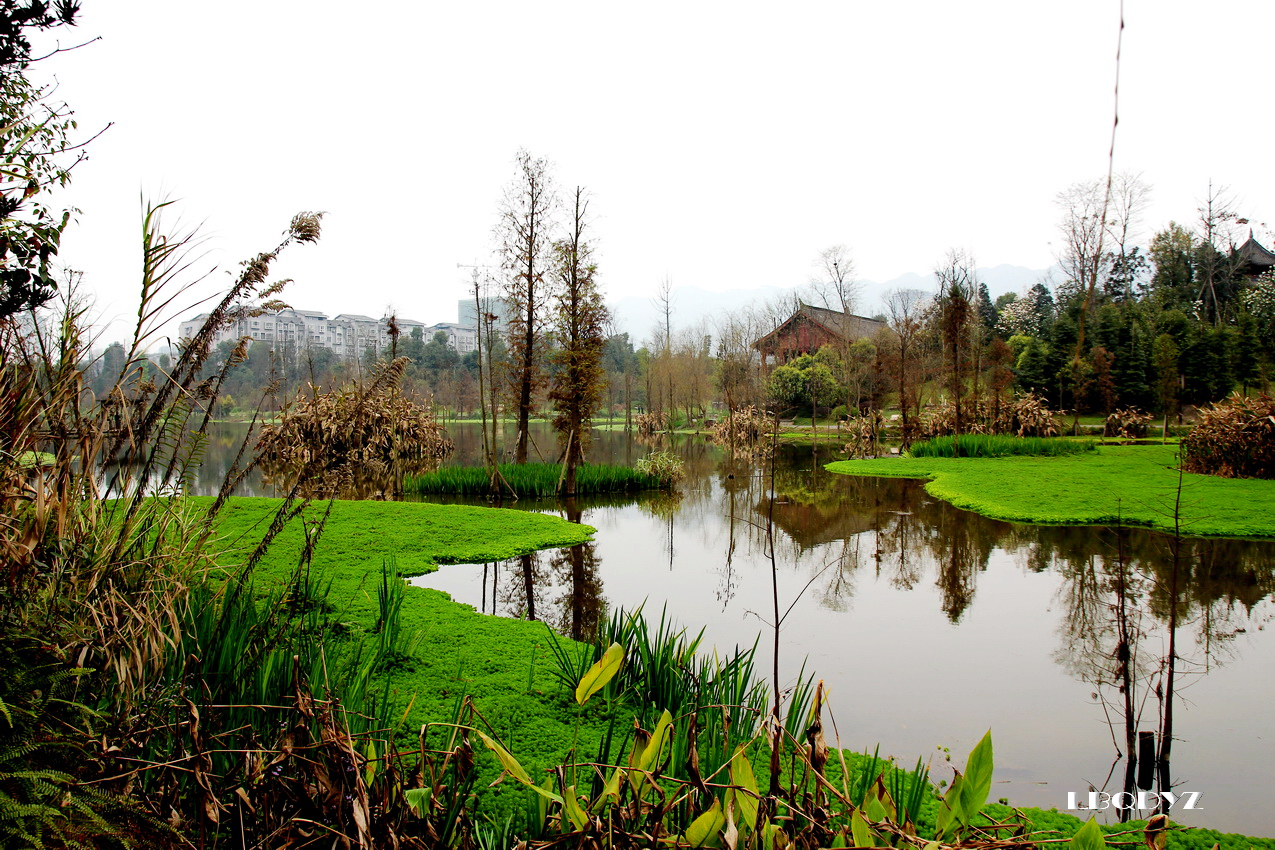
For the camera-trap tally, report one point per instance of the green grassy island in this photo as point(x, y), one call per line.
point(1133, 485)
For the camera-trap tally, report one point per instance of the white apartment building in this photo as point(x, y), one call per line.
point(348, 334)
point(462, 338)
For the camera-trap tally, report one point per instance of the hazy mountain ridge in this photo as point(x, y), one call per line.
point(639, 316)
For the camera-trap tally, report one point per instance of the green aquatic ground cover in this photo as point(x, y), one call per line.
point(504, 664)
point(1000, 445)
point(1135, 485)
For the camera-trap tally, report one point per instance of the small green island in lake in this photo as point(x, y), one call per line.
point(1130, 485)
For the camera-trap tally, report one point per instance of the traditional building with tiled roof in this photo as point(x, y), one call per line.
point(809, 329)
point(1254, 258)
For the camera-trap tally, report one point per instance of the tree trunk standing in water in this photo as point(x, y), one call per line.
point(579, 318)
point(524, 232)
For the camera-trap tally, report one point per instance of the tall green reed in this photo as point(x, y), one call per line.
point(1000, 445)
point(530, 480)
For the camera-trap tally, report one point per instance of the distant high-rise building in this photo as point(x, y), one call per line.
point(467, 313)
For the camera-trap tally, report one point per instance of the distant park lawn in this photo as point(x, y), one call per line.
point(1135, 485)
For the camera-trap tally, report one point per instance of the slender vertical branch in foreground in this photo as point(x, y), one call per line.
point(776, 725)
point(1164, 773)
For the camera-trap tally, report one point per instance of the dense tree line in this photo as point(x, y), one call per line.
point(1181, 322)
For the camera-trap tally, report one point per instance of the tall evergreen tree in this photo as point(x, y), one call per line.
point(579, 317)
point(1172, 276)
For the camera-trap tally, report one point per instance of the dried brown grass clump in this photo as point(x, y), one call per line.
point(940, 421)
point(864, 435)
point(1031, 417)
point(357, 425)
point(1027, 416)
point(1127, 424)
point(746, 427)
point(651, 423)
point(1235, 438)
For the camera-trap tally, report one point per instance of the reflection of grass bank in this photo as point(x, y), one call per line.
point(831, 438)
point(1089, 489)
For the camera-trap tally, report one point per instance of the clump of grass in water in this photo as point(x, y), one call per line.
point(531, 480)
point(998, 445)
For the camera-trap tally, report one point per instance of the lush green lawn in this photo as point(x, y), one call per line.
point(1135, 483)
point(420, 536)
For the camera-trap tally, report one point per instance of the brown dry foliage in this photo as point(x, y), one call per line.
point(1235, 438)
point(746, 429)
point(1127, 424)
point(865, 435)
point(372, 425)
point(651, 423)
point(1027, 416)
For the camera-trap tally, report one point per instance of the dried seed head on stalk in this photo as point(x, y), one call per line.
point(305, 226)
point(240, 352)
point(255, 270)
point(274, 289)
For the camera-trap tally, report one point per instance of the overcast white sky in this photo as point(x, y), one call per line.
point(724, 144)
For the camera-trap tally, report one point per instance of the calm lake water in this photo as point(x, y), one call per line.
point(930, 625)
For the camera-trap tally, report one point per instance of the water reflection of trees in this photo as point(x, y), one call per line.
point(579, 605)
point(1142, 612)
point(560, 587)
point(914, 533)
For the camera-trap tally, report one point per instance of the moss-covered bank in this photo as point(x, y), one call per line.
point(1135, 485)
point(503, 664)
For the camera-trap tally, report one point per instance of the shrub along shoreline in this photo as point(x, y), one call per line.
point(1132, 485)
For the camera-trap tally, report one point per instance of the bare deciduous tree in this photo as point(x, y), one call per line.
point(958, 284)
point(663, 303)
point(837, 289)
point(1216, 262)
point(834, 286)
point(1100, 217)
point(525, 238)
point(906, 310)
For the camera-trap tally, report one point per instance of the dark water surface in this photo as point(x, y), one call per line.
point(930, 625)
